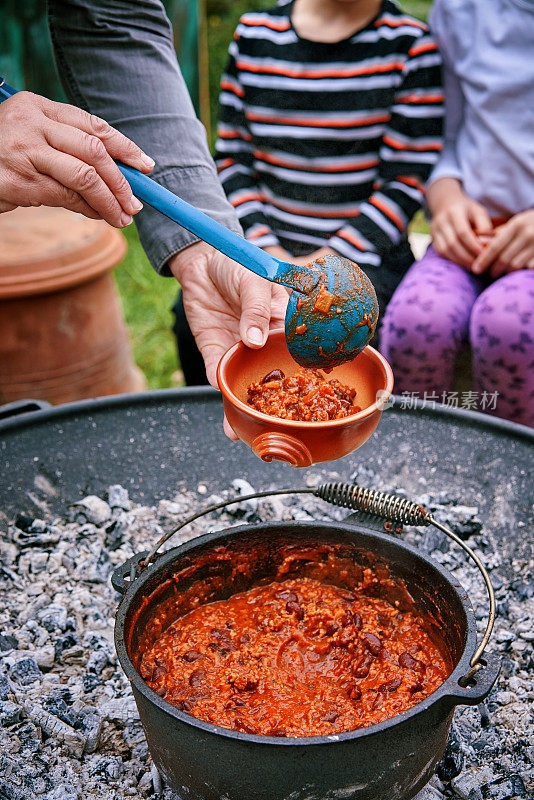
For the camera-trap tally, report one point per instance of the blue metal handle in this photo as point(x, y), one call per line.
point(206, 228)
point(198, 223)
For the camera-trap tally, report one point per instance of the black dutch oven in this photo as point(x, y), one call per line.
point(388, 761)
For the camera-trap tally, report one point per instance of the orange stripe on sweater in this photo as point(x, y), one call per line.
point(233, 134)
point(422, 48)
point(318, 123)
point(398, 23)
point(352, 240)
point(232, 87)
point(416, 148)
point(310, 168)
point(388, 212)
point(299, 73)
point(420, 98)
point(258, 22)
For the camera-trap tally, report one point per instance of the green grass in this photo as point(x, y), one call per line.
point(147, 299)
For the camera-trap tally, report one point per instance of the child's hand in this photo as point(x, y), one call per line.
point(320, 253)
point(511, 248)
point(454, 218)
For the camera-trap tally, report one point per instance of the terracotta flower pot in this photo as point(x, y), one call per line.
point(62, 331)
point(301, 444)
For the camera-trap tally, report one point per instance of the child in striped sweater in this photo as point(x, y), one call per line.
point(330, 124)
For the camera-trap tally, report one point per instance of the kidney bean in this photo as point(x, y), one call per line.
point(294, 608)
point(331, 628)
point(357, 621)
point(273, 375)
point(241, 725)
point(346, 619)
point(390, 686)
point(348, 635)
point(331, 716)
point(355, 693)
point(408, 661)
point(197, 677)
point(418, 687)
point(183, 705)
point(192, 655)
point(162, 691)
point(158, 673)
point(364, 665)
point(346, 595)
point(372, 642)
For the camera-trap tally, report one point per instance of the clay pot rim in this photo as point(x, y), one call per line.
point(298, 424)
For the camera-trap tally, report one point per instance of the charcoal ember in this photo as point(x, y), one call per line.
point(90, 681)
point(429, 793)
point(89, 723)
point(470, 784)
point(97, 662)
point(25, 671)
point(4, 688)
point(53, 726)
point(115, 533)
point(247, 508)
point(65, 642)
point(9, 713)
point(53, 618)
point(8, 642)
point(90, 509)
point(59, 708)
point(118, 497)
point(453, 759)
point(30, 532)
point(108, 766)
point(97, 568)
point(29, 736)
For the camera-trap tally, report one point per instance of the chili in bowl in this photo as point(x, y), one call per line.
point(318, 432)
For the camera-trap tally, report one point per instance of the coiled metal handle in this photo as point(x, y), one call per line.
point(371, 501)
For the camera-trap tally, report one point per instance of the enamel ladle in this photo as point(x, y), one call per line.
point(332, 310)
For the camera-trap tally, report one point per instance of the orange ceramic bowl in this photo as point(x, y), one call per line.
point(301, 443)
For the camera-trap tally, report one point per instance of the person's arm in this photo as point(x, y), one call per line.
point(117, 60)
point(235, 159)
point(408, 152)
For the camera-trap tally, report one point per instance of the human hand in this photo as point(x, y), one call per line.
point(454, 220)
point(320, 253)
point(224, 302)
point(510, 249)
point(53, 154)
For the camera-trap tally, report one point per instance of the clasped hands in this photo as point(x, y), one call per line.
point(462, 231)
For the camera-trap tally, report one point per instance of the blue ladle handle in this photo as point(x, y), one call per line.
point(207, 229)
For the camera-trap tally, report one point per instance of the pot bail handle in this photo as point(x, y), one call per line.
point(371, 501)
point(398, 509)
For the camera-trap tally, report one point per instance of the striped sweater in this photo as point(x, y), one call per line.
point(324, 144)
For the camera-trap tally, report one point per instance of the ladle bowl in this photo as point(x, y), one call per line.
point(301, 444)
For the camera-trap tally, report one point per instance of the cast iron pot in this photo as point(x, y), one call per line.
point(388, 761)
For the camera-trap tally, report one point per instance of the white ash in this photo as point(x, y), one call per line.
point(69, 727)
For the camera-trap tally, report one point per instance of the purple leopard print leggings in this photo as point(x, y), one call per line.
point(438, 307)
